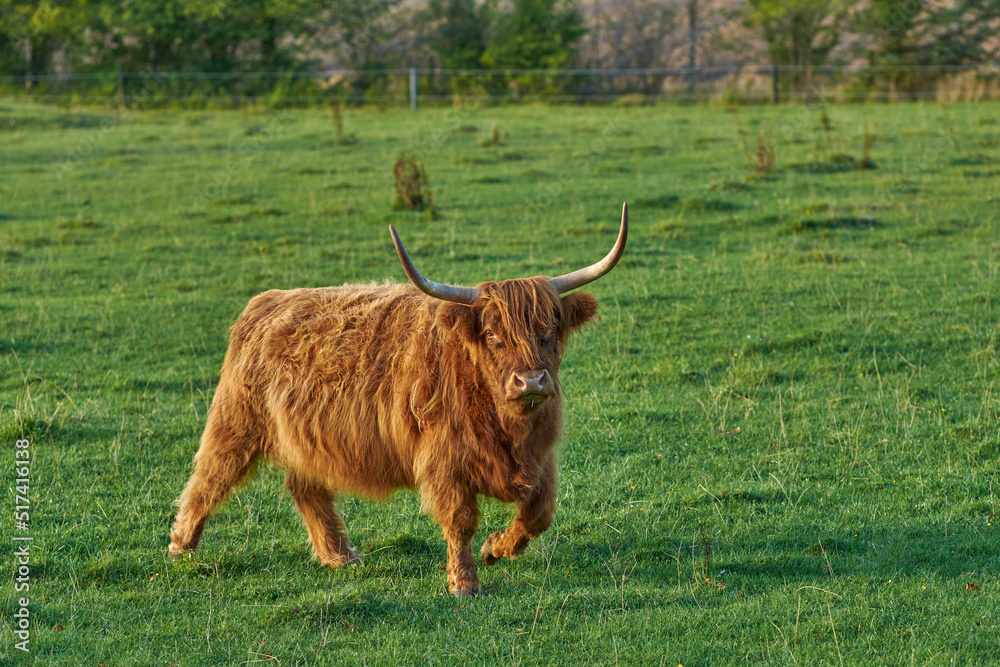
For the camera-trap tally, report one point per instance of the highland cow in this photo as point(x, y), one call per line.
point(365, 389)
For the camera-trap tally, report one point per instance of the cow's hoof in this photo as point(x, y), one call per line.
point(470, 591)
point(349, 557)
point(486, 553)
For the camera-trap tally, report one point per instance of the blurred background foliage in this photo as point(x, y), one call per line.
point(276, 42)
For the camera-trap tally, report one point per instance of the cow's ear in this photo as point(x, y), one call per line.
point(578, 309)
point(459, 318)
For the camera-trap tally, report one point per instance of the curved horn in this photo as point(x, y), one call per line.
point(466, 295)
point(581, 277)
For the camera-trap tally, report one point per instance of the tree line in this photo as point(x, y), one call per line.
point(43, 37)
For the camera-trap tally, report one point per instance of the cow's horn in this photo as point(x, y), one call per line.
point(581, 277)
point(466, 295)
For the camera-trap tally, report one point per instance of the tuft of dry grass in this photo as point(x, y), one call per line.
point(765, 155)
point(866, 160)
point(338, 127)
point(412, 186)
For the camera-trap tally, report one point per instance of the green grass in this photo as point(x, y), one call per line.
point(796, 369)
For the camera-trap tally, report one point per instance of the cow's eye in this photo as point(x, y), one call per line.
point(492, 339)
point(546, 341)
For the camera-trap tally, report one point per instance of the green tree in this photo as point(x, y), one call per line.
point(363, 29)
point(460, 35)
point(207, 35)
point(535, 34)
point(918, 36)
point(34, 32)
point(189, 36)
point(13, 39)
point(799, 33)
point(917, 32)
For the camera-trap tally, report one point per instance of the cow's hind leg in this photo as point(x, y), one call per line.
point(326, 529)
point(222, 462)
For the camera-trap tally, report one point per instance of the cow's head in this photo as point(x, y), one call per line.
point(517, 329)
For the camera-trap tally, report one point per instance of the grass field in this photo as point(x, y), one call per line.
point(782, 435)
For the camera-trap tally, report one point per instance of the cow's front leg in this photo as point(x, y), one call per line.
point(457, 510)
point(534, 516)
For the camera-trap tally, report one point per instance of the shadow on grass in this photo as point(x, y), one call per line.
point(764, 564)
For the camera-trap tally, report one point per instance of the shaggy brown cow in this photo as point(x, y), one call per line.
point(368, 388)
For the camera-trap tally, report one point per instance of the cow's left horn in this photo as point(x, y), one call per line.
point(581, 277)
point(466, 295)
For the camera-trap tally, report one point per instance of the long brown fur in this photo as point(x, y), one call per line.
point(365, 389)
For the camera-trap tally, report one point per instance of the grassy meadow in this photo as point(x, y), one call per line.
point(782, 437)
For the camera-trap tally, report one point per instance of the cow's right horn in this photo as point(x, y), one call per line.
point(466, 295)
point(581, 277)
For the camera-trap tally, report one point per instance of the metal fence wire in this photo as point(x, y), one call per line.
point(764, 84)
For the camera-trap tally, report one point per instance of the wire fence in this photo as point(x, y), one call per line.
point(416, 87)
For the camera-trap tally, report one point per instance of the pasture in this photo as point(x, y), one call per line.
point(782, 435)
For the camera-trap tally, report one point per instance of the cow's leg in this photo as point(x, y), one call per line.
point(457, 510)
point(326, 529)
point(224, 459)
point(534, 516)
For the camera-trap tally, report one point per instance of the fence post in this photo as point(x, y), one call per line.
point(121, 86)
point(692, 44)
point(774, 84)
point(413, 88)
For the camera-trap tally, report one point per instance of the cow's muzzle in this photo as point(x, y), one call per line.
point(531, 388)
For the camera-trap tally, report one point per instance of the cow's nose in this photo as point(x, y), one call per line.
point(533, 382)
